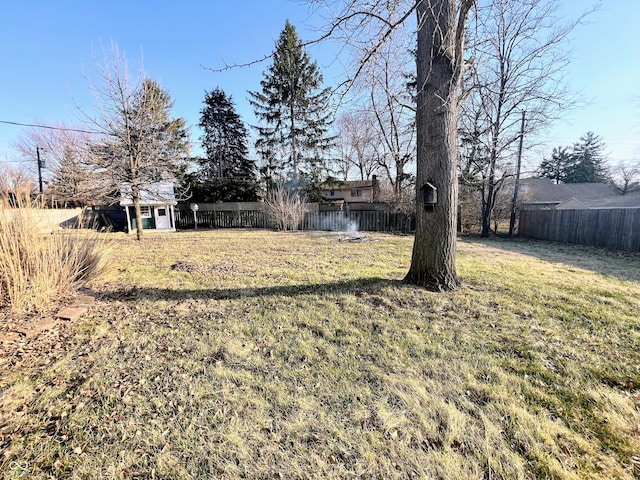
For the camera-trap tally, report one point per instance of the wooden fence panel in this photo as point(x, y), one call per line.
point(359, 221)
point(353, 221)
point(222, 219)
point(614, 229)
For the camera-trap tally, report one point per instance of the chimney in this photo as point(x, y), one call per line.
point(376, 188)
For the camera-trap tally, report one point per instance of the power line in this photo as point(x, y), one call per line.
point(48, 127)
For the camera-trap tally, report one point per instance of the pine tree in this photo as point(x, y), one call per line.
point(227, 173)
point(558, 166)
point(292, 107)
point(588, 161)
point(72, 180)
point(162, 141)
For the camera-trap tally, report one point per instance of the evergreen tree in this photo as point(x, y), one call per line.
point(558, 166)
point(588, 161)
point(162, 141)
point(71, 181)
point(292, 107)
point(227, 173)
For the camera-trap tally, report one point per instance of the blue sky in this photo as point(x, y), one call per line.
point(604, 70)
point(48, 47)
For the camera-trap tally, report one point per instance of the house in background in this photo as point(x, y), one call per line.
point(351, 191)
point(543, 194)
point(157, 207)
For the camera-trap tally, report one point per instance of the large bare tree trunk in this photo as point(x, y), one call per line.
point(439, 64)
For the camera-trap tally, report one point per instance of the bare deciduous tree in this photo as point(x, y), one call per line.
point(356, 141)
point(383, 91)
point(517, 54)
point(13, 181)
point(394, 115)
point(66, 153)
point(140, 145)
point(439, 60)
point(441, 27)
point(626, 177)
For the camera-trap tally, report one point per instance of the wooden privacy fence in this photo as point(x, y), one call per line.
point(360, 220)
point(614, 229)
point(222, 219)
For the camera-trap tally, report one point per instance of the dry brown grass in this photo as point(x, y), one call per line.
point(37, 268)
point(252, 354)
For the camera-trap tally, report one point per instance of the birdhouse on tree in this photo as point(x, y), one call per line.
point(429, 195)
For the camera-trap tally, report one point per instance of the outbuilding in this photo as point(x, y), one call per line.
point(157, 207)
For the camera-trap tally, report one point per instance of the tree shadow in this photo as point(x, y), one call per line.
point(354, 286)
point(611, 263)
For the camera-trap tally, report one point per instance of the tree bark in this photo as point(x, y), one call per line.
point(135, 194)
point(487, 205)
point(439, 65)
point(292, 138)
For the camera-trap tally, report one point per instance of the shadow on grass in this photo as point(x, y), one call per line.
point(612, 263)
point(355, 286)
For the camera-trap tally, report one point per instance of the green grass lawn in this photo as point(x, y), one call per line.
point(254, 354)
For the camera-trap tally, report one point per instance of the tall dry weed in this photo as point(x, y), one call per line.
point(285, 208)
point(36, 267)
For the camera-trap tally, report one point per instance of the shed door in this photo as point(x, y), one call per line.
point(162, 217)
point(148, 217)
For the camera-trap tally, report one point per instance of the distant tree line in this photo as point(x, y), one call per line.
point(514, 54)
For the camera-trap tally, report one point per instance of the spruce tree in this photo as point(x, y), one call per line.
point(292, 109)
point(558, 166)
point(588, 161)
point(226, 173)
point(159, 140)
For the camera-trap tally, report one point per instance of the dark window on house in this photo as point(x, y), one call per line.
point(356, 193)
point(332, 193)
point(162, 212)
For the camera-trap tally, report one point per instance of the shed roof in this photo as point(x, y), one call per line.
point(152, 194)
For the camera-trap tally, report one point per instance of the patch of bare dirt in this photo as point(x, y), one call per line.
point(356, 239)
point(203, 268)
point(39, 339)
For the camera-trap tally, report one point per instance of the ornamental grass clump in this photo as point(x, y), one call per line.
point(38, 266)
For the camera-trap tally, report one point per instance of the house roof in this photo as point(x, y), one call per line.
point(153, 194)
point(591, 191)
point(617, 201)
point(630, 200)
point(348, 185)
point(572, 204)
point(542, 191)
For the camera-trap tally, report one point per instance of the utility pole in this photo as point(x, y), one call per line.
point(514, 203)
point(40, 167)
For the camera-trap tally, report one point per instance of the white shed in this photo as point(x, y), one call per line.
point(157, 206)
